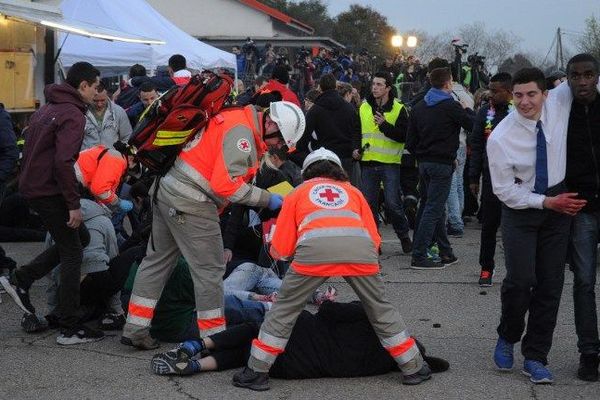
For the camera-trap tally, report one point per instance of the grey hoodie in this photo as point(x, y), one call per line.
point(96, 255)
point(103, 240)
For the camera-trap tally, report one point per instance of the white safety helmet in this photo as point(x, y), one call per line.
point(321, 154)
point(290, 120)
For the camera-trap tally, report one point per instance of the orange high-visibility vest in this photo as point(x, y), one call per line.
point(100, 170)
point(328, 227)
point(223, 158)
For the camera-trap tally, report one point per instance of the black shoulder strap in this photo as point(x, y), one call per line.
point(102, 153)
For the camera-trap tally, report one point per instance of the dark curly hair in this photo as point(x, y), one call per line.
point(325, 169)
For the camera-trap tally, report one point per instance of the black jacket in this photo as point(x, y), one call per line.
point(338, 341)
point(479, 161)
point(330, 123)
point(583, 153)
point(8, 146)
point(129, 96)
point(433, 131)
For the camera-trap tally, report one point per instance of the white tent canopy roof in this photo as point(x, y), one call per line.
point(145, 21)
point(52, 17)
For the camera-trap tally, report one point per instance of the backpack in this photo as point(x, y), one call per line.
point(174, 119)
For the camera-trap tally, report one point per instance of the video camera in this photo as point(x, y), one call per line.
point(476, 60)
point(249, 47)
point(459, 48)
point(302, 54)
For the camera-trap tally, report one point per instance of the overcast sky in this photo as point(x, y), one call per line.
point(534, 21)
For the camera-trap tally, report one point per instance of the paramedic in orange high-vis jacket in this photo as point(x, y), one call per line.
point(327, 227)
point(212, 170)
point(99, 170)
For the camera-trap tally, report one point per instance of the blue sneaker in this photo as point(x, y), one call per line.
point(537, 372)
point(503, 355)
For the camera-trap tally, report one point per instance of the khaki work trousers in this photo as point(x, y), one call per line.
point(291, 299)
point(195, 236)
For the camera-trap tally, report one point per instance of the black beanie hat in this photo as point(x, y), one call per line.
point(281, 73)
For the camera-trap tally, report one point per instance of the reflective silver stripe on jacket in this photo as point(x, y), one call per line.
point(104, 195)
point(333, 232)
point(328, 214)
point(380, 136)
point(384, 150)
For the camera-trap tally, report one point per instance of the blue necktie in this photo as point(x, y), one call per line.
point(541, 162)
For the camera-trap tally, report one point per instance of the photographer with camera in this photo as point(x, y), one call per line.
point(475, 73)
point(304, 69)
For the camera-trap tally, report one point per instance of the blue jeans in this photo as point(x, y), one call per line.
point(456, 198)
point(584, 254)
point(389, 174)
point(436, 179)
point(250, 278)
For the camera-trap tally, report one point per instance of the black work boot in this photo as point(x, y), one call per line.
point(420, 376)
point(250, 379)
point(588, 367)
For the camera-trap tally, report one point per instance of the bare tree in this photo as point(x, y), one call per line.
point(590, 40)
point(431, 46)
point(496, 46)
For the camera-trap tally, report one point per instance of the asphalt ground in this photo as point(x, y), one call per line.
point(446, 310)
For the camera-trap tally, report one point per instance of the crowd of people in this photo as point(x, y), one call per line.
point(289, 185)
point(306, 68)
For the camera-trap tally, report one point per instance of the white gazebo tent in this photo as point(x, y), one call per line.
point(138, 17)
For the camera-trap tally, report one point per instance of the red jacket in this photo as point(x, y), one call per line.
point(286, 93)
point(52, 143)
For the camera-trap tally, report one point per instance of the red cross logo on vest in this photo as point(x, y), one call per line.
point(244, 145)
point(328, 195)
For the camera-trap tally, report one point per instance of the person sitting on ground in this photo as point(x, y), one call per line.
point(250, 281)
point(174, 318)
point(103, 273)
point(18, 223)
point(105, 122)
point(9, 154)
point(337, 341)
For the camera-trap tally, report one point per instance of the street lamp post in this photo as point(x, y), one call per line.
point(411, 41)
point(397, 41)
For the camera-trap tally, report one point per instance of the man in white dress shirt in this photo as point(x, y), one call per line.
point(527, 158)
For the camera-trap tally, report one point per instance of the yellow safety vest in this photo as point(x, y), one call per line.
point(381, 148)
